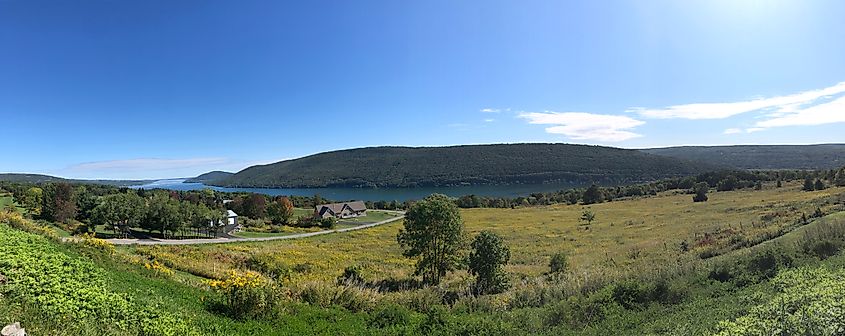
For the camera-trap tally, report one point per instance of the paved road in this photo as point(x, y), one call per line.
point(153, 241)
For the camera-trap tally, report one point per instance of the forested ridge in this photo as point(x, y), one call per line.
point(209, 177)
point(825, 156)
point(471, 164)
point(40, 178)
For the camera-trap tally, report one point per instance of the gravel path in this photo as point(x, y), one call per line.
point(153, 241)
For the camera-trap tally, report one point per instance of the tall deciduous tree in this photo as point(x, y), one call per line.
point(433, 233)
point(32, 200)
point(280, 211)
point(86, 201)
point(124, 209)
point(59, 202)
point(486, 262)
point(162, 214)
point(254, 206)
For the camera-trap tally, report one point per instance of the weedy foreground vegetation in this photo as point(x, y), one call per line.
point(747, 262)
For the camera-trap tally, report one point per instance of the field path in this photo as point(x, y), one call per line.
point(153, 241)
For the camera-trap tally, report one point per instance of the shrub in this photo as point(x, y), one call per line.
point(158, 268)
point(390, 315)
point(558, 263)
point(325, 295)
point(269, 265)
point(328, 223)
point(823, 249)
point(767, 263)
point(580, 311)
point(485, 326)
point(245, 295)
point(631, 294)
point(88, 240)
point(721, 273)
point(436, 322)
point(351, 276)
point(17, 221)
point(810, 302)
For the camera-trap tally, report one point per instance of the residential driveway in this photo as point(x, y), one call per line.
point(153, 241)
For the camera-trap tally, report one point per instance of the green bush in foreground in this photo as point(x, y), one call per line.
point(811, 302)
point(67, 289)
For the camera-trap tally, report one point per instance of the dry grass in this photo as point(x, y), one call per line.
point(626, 235)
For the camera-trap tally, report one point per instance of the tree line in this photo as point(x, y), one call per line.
point(724, 180)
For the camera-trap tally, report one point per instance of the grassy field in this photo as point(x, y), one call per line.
point(372, 216)
point(6, 199)
point(625, 235)
point(302, 212)
point(642, 225)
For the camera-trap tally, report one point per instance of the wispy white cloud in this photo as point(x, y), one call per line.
point(732, 131)
point(153, 168)
point(490, 110)
point(146, 164)
point(788, 104)
point(829, 112)
point(489, 120)
point(754, 129)
point(586, 126)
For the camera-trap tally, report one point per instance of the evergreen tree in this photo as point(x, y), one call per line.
point(700, 189)
point(592, 195)
point(588, 216)
point(808, 184)
point(819, 185)
point(559, 263)
point(839, 178)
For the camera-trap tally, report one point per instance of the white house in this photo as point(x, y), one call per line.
point(232, 217)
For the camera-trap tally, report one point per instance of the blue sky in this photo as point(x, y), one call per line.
point(153, 89)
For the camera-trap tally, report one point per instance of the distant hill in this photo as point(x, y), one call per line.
point(456, 165)
point(39, 178)
point(761, 156)
point(29, 178)
point(210, 177)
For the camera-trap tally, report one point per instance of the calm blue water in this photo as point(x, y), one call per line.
point(377, 194)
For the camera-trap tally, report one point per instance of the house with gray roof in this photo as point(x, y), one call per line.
point(342, 210)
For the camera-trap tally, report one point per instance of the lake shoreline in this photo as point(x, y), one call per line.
point(376, 194)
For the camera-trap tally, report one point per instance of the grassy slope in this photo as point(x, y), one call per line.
point(376, 249)
point(534, 234)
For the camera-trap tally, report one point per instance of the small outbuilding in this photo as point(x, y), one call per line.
point(232, 218)
point(342, 210)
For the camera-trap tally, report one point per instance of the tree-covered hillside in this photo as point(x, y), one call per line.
point(38, 178)
point(210, 177)
point(761, 157)
point(475, 164)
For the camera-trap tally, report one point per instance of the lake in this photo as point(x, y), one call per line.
point(376, 194)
